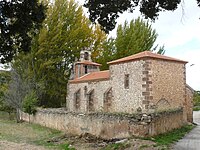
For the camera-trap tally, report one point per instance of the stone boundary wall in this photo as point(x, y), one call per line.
point(108, 126)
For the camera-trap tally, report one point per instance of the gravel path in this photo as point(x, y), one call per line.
point(5, 145)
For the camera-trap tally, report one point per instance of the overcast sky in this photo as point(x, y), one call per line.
point(179, 31)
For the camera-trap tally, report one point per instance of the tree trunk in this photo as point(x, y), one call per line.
point(18, 115)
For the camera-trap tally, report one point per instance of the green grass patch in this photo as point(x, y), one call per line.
point(7, 116)
point(28, 133)
point(168, 138)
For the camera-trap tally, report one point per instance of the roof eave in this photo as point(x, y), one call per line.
point(91, 80)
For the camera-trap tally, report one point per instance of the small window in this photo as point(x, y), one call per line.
point(108, 100)
point(77, 99)
point(85, 91)
point(126, 81)
point(86, 69)
point(91, 101)
point(86, 56)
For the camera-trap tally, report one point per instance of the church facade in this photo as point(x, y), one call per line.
point(142, 83)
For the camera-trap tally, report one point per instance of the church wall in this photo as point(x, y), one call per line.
point(127, 100)
point(99, 87)
point(168, 84)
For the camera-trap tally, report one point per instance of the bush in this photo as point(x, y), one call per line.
point(196, 98)
point(29, 103)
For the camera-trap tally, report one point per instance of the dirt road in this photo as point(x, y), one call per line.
point(5, 145)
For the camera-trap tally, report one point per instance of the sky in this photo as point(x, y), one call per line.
point(179, 32)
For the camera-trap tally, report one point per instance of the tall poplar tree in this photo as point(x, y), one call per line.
point(134, 37)
point(64, 33)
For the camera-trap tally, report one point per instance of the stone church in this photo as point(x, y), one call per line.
point(142, 83)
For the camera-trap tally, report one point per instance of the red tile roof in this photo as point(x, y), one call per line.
point(100, 75)
point(86, 62)
point(145, 54)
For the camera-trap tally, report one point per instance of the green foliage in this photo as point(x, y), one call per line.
point(64, 32)
point(19, 20)
point(4, 80)
point(107, 12)
point(108, 54)
point(133, 38)
point(171, 137)
point(196, 98)
point(29, 103)
point(196, 108)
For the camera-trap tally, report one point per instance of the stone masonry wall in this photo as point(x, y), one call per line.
point(127, 100)
point(108, 126)
point(167, 84)
point(100, 87)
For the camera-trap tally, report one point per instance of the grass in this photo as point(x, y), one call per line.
point(29, 133)
point(39, 135)
point(169, 138)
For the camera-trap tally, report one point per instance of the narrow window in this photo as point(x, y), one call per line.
point(85, 91)
point(108, 100)
point(86, 56)
point(86, 69)
point(77, 99)
point(126, 81)
point(91, 101)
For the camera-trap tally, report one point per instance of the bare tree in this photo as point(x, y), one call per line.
point(17, 90)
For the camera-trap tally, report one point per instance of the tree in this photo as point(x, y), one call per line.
point(132, 38)
point(64, 32)
point(19, 21)
point(105, 12)
point(4, 80)
point(29, 103)
point(108, 54)
point(18, 87)
point(196, 98)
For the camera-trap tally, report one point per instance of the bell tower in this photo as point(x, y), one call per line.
point(85, 55)
point(84, 65)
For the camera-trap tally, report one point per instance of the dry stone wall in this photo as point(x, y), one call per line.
point(108, 126)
